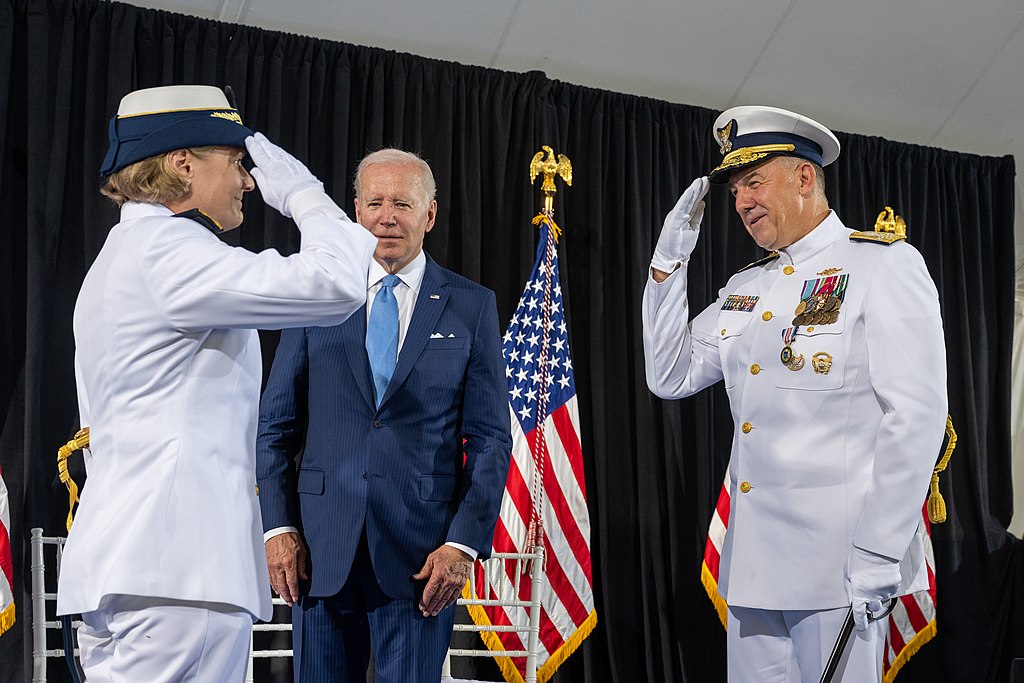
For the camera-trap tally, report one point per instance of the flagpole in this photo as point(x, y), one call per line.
point(549, 168)
point(543, 512)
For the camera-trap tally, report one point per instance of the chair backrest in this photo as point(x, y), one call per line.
point(496, 573)
point(41, 597)
point(263, 633)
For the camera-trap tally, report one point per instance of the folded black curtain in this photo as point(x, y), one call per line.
point(653, 468)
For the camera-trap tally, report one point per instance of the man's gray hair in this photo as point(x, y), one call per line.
point(390, 155)
point(819, 172)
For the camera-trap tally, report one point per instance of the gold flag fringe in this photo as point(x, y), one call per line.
point(711, 586)
point(568, 647)
point(7, 618)
point(911, 648)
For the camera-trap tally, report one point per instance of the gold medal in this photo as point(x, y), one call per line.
point(800, 307)
point(787, 354)
point(796, 363)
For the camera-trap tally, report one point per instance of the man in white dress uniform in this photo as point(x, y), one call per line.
point(165, 560)
point(831, 350)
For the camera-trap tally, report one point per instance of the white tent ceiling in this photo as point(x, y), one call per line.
point(942, 73)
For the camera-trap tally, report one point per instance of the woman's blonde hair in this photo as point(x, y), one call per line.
point(152, 180)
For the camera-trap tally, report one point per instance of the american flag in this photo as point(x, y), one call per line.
point(545, 502)
point(911, 623)
point(6, 565)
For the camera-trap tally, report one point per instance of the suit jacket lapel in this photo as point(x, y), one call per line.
point(353, 333)
point(430, 302)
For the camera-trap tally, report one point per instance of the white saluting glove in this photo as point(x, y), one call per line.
point(871, 580)
point(278, 174)
point(681, 228)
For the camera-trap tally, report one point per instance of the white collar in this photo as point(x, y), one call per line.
point(824, 234)
point(131, 210)
point(411, 275)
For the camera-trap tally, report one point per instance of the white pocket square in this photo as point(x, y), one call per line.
point(437, 336)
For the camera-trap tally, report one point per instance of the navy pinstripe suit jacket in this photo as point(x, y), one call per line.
point(397, 470)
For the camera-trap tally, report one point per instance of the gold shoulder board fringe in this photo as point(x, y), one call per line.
point(886, 238)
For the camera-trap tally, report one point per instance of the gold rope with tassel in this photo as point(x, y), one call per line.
point(555, 230)
point(936, 505)
point(80, 441)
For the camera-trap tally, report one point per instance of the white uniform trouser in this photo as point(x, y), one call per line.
point(771, 646)
point(131, 639)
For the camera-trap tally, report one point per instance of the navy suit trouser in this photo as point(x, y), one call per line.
point(332, 636)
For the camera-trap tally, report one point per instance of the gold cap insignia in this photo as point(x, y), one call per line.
point(724, 136)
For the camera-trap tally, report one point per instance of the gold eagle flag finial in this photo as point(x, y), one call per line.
point(550, 167)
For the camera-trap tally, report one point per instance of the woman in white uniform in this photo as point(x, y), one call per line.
point(165, 559)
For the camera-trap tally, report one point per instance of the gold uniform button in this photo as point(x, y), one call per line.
point(754, 369)
point(747, 427)
point(745, 487)
point(788, 270)
point(723, 330)
point(257, 489)
point(811, 328)
point(766, 316)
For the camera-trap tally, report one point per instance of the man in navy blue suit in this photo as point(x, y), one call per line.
point(401, 418)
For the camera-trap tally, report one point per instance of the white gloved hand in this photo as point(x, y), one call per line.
point(871, 580)
point(681, 228)
point(278, 174)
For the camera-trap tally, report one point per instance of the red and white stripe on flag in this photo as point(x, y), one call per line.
point(545, 501)
point(6, 563)
point(911, 623)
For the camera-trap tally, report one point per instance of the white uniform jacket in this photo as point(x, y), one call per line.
point(168, 369)
point(823, 458)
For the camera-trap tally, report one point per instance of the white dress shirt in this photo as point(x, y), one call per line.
point(411, 277)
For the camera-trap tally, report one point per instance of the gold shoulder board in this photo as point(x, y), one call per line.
point(760, 261)
point(880, 237)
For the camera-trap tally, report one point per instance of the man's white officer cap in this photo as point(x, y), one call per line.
point(750, 135)
point(159, 120)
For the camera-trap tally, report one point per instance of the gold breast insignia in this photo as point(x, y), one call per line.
point(821, 362)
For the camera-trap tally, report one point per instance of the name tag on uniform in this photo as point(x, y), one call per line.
point(740, 302)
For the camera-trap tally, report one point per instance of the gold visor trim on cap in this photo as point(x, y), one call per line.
point(173, 111)
point(746, 155)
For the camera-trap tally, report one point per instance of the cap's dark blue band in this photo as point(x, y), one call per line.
point(803, 147)
point(139, 137)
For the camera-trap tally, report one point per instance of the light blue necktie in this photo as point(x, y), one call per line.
point(382, 335)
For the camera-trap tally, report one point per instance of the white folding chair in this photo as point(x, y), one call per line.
point(494, 573)
point(41, 624)
point(40, 597)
